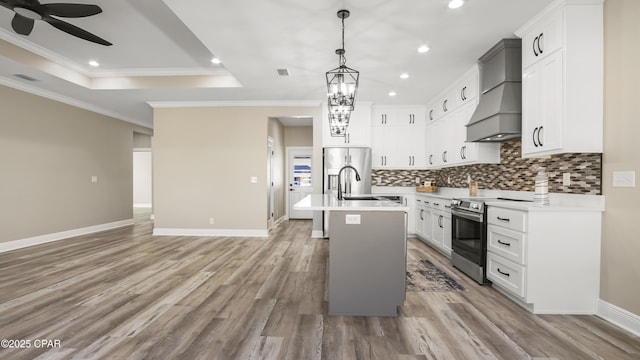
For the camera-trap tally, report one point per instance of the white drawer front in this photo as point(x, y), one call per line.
point(507, 274)
point(511, 219)
point(507, 243)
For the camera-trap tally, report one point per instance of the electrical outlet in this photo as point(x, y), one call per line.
point(566, 179)
point(254, 180)
point(351, 219)
point(211, 221)
point(417, 180)
point(624, 179)
point(94, 179)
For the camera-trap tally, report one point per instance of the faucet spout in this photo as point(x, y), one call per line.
point(340, 195)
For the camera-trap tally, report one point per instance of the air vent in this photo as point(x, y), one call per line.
point(283, 72)
point(26, 77)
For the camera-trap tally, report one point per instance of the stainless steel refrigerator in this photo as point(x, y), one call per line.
point(334, 159)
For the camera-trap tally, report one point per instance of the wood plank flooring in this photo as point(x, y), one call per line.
point(124, 294)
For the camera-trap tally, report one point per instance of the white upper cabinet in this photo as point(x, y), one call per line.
point(398, 137)
point(446, 134)
point(562, 79)
point(358, 132)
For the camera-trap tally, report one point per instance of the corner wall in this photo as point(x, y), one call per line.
point(203, 159)
point(620, 239)
point(48, 153)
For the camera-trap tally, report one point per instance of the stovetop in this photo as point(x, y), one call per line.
point(477, 204)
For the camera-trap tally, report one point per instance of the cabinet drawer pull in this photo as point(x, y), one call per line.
point(503, 273)
point(503, 243)
point(436, 204)
point(503, 219)
point(448, 206)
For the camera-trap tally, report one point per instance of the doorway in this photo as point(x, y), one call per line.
point(299, 180)
point(270, 183)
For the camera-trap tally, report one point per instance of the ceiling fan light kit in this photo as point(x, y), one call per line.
point(28, 11)
point(342, 85)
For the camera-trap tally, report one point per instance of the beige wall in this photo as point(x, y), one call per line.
point(48, 153)
point(298, 136)
point(621, 239)
point(203, 159)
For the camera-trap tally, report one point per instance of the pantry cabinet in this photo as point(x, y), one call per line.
point(562, 79)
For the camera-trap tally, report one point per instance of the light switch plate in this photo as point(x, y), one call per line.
point(352, 219)
point(566, 179)
point(94, 179)
point(624, 179)
point(254, 180)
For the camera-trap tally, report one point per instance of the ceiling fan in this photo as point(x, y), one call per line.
point(27, 11)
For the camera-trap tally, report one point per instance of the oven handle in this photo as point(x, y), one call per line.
point(469, 216)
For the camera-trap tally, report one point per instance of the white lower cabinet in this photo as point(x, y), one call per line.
point(434, 216)
point(546, 260)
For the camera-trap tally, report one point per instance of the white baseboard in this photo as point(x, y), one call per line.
point(619, 316)
point(142, 205)
point(278, 222)
point(43, 239)
point(317, 234)
point(209, 232)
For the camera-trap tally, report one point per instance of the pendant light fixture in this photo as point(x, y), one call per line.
point(342, 84)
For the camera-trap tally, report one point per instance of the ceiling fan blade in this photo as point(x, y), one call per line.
point(75, 31)
point(72, 10)
point(21, 24)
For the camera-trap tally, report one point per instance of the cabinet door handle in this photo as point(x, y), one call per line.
point(503, 273)
point(445, 156)
point(421, 212)
point(381, 160)
point(540, 43)
point(444, 105)
point(463, 93)
point(503, 219)
point(534, 137)
point(503, 243)
point(431, 159)
point(441, 221)
point(539, 131)
point(431, 114)
point(535, 51)
point(461, 155)
point(464, 152)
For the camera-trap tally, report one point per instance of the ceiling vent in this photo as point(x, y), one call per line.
point(283, 72)
point(26, 77)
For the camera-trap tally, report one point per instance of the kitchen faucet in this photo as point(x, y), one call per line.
point(340, 197)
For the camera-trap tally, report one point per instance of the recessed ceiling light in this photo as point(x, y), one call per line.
point(404, 76)
point(392, 93)
point(216, 61)
point(94, 63)
point(423, 49)
point(454, 4)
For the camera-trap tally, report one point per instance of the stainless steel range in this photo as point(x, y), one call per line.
point(469, 238)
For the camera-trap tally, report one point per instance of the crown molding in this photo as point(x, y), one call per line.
point(252, 103)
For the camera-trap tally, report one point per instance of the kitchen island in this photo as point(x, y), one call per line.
point(367, 254)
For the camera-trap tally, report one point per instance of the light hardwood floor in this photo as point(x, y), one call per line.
point(123, 294)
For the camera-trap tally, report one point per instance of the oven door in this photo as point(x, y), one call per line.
point(468, 235)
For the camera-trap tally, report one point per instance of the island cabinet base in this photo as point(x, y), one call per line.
point(367, 262)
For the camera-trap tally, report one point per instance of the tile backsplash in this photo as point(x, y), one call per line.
point(513, 173)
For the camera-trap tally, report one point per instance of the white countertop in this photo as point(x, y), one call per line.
point(331, 202)
point(557, 201)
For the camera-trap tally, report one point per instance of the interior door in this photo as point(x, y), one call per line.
point(299, 179)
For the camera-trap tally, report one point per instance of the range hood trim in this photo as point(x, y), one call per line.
point(498, 116)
